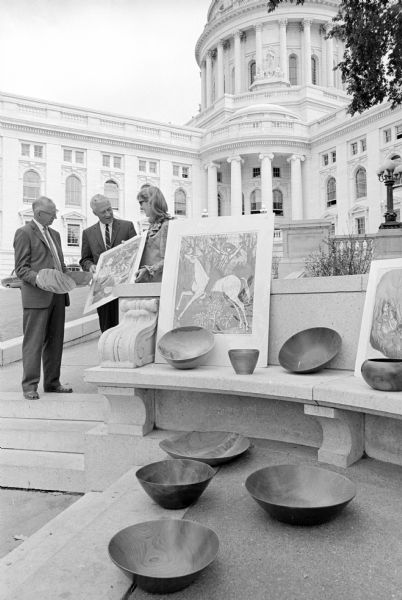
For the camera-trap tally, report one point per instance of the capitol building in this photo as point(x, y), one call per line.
point(272, 134)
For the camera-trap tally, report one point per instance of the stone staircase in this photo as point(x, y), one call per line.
point(42, 441)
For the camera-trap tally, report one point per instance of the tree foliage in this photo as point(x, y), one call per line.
point(372, 62)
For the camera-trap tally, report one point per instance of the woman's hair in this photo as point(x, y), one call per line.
point(157, 202)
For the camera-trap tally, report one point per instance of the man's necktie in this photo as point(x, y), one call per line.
point(107, 237)
point(52, 249)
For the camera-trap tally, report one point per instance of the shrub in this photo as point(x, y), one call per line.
point(350, 255)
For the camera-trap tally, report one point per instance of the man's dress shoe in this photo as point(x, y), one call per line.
point(31, 395)
point(61, 389)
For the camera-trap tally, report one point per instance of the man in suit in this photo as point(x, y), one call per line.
point(37, 247)
point(107, 233)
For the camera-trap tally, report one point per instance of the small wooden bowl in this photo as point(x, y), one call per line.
point(211, 447)
point(300, 494)
point(186, 347)
point(175, 483)
point(310, 350)
point(244, 360)
point(165, 555)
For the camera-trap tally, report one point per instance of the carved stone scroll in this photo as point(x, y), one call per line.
point(131, 343)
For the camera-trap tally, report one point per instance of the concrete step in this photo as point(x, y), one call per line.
point(35, 469)
point(74, 407)
point(44, 434)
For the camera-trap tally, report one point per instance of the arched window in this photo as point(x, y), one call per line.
point(232, 81)
point(251, 72)
point(255, 201)
point(277, 202)
point(180, 202)
point(111, 191)
point(314, 70)
point(293, 69)
point(361, 183)
point(73, 191)
point(331, 191)
point(31, 186)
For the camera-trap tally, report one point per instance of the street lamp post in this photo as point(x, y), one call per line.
point(390, 173)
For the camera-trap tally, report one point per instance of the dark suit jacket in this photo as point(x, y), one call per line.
point(31, 255)
point(93, 245)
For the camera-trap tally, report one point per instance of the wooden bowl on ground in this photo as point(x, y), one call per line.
point(165, 555)
point(211, 447)
point(310, 350)
point(186, 347)
point(175, 483)
point(300, 494)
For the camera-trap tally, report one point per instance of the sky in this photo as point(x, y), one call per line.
point(128, 57)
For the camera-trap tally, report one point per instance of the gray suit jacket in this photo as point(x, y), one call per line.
point(31, 255)
point(93, 245)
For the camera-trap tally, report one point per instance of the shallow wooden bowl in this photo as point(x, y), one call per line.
point(81, 278)
point(164, 555)
point(300, 494)
point(186, 347)
point(310, 350)
point(211, 447)
point(175, 483)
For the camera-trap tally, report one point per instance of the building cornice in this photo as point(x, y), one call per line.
point(90, 138)
point(249, 147)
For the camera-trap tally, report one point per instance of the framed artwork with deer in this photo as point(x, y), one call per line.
point(217, 275)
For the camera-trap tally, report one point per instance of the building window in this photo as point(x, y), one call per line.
point(152, 167)
point(73, 191)
point(111, 190)
point(361, 183)
point(38, 151)
point(117, 162)
point(277, 202)
point(219, 177)
point(255, 202)
point(180, 171)
point(79, 157)
point(293, 69)
point(31, 186)
point(25, 149)
point(387, 135)
point(363, 145)
point(333, 156)
point(176, 171)
point(252, 72)
point(70, 156)
point(232, 80)
point(32, 150)
point(220, 203)
point(142, 165)
point(331, 191)
point(360, 225)
point(314, 70)
point(325, 159)
point(398, 131)
point(180, 202)
point(73, 234)
point(67, 155)
point(276, 172)
point(353, 148)
point(105, 160)
point(185, 171)
point(256, 171)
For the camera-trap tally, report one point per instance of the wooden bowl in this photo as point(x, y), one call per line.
point(310, 350)
point(244, 360)
point(165, 555)
point(211, 447)
point(175, 483)
point(384, 374)
point(186, 347)
point(300, 494)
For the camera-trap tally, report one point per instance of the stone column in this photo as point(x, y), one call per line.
point(307, 51)
point(219, 67)
point(237, 61)
point(258, 49)
point(235, 185)
point(330, 58)
point(296, 186)
point(266, 181)
point(283, 48)
point(208, 79)
point(203, 82)
point(212, 169)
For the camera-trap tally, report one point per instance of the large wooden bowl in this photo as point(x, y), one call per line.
point(165, 555)
point(186, 347)
point(175, 483)
point(211, 447)
point(310, 350)
point(300, 494)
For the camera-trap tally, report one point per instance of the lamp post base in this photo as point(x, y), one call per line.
point(388, 242)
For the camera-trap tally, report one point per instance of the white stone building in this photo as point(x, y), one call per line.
point(272, 134)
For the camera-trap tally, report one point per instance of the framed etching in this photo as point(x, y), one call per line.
point(217, 275)
point(381, 327)
point(115, 266)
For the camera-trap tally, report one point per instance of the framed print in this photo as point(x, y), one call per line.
point(115, 266)
point(217, 275)
point(381, 327)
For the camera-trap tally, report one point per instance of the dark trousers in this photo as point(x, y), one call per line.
point(108, 315)
point(43, 342)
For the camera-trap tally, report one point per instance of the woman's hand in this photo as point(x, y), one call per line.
point(140, 275)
